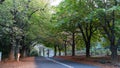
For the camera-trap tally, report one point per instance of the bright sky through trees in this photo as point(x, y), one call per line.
point(55, 2)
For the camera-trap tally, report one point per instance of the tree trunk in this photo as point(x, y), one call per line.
point(73, 44)
point(27, 51)
point(40, 52)
point(17, 52)
point(59, 50)
point(55, 50)
point(12, 51)
point(87, 36)
point(114, 53)
point(11, 55)
point(43, 52)
point(23, 52)
point(113, 49)
point(48, 52)
point(17, 49)
point(65, 48)
point(87, 49)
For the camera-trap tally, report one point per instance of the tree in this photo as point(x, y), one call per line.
point(18, 23)
point(108, 22)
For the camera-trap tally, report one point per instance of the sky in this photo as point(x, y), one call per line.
point(55, 2)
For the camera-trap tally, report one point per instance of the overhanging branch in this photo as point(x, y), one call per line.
point(32, 14)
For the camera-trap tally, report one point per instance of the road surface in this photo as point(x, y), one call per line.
point(42, 62)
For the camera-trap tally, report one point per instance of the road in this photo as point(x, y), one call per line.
point(42, 62)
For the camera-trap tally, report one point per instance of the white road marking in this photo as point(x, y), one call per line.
point(60, 63)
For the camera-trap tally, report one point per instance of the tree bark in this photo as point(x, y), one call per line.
point(28, 51)
point(87, 49)
point(113, 49)
point(55, 50)
point(12, 51)
point(48, 51)
point(73, 44)
point(59, 50)
point(17, 51)
point(86, 37)
point(113, 46)
point(65, 48)
point(23, 52)
point(40, 52)
point(43, 52)
point(23, 49)
point(11, 55)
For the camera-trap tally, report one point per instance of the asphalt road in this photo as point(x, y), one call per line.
point(42, 62)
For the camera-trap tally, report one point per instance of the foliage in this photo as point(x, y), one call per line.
point(22, 21)
point(30, 21)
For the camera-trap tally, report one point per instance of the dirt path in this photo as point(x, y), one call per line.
point(24, 63)
point(91, 61)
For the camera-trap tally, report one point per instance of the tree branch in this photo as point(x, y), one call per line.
point(80, 27)
point(4, 26)
point(32, 14)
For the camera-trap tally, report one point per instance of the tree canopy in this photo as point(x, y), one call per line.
point(76, 24)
